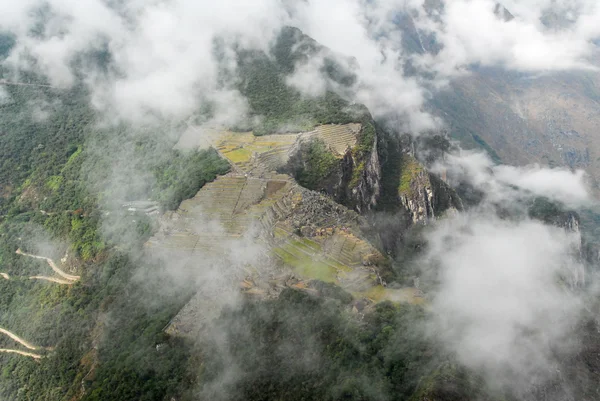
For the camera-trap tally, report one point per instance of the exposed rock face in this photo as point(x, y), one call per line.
point(553, 214)
point(570, 222)
point(424, 195)
point(353, 179)
point(365, 193)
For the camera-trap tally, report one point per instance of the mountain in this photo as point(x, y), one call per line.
point(549, 119)
point(277, 258)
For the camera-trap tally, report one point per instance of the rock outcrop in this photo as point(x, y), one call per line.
point(422, 194)
point(364, 193)
point(351, 176)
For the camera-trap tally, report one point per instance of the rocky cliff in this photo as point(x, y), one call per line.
point(351, 176)
point(424, 195)
point(407, 185)
point(356, 178)
point(364, 170)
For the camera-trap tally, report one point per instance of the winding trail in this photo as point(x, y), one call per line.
point(15, 351)
point(18, 339)
point(53, 279)
point(5, 275)
point(52, 265)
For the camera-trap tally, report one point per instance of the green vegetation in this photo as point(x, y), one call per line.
point(361, 151)
point(301, 347)
point(305, 265)
point(136, 359)
point(104, 337)
point(452, 382)
point(36, 149)
point(410, 169)
point(357, 174)
point(313, 164)
point(182, 175)
point(366, 137)
point(101, 330)
point(281, 108)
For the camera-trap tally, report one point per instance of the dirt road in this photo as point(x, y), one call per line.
point(53, 279)
point(5, 82)
point(15, 351)
point(18, 339)
point(4, 275)
point(51, 264)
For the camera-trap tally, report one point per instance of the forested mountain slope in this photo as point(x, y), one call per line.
point(286, 260)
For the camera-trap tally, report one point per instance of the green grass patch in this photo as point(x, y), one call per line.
point(315, 163)
point(307, 245)
point(376, 293)
point(305, 266)
point(54, 182)
point(239, 155)
point(410, 168)
point(356, 175)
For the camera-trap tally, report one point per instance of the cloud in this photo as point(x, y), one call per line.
point(163, 59)
point(4, 96)
point(501, 183)
point(507, 293)
point(162, 53)
point(471, 33)
point(504, 304)
point(560, 184)
point(362, 31)
point(164, 65)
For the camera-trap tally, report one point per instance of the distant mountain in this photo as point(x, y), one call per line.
point(549, 118)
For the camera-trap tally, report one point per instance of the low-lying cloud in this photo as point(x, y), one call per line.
point(502, 183)
point(508, 292)
point(162, 60)
point(505, 303)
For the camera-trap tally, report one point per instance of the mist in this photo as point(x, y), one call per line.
point(509, 293)
point(506, 291)
point(161, 61)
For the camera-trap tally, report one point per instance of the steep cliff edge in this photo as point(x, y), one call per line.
point(407, 185)
point(424, 195)
point(351, 177)
point(356, 179)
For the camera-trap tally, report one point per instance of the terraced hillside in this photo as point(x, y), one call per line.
point(300, 235)
point(337, 137)
point(260, 155)
point(250, 153)
point(219, 212)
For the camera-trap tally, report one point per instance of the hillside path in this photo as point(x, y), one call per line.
point(15, 351)
point(52, 265)
point(5, 82)
point(52, 279)
point(18, 339)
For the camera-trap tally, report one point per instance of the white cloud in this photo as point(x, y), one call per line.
point(472, 34)
point(504, 304)
point(501, 183)
point(560, 184)
point(163, 50)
